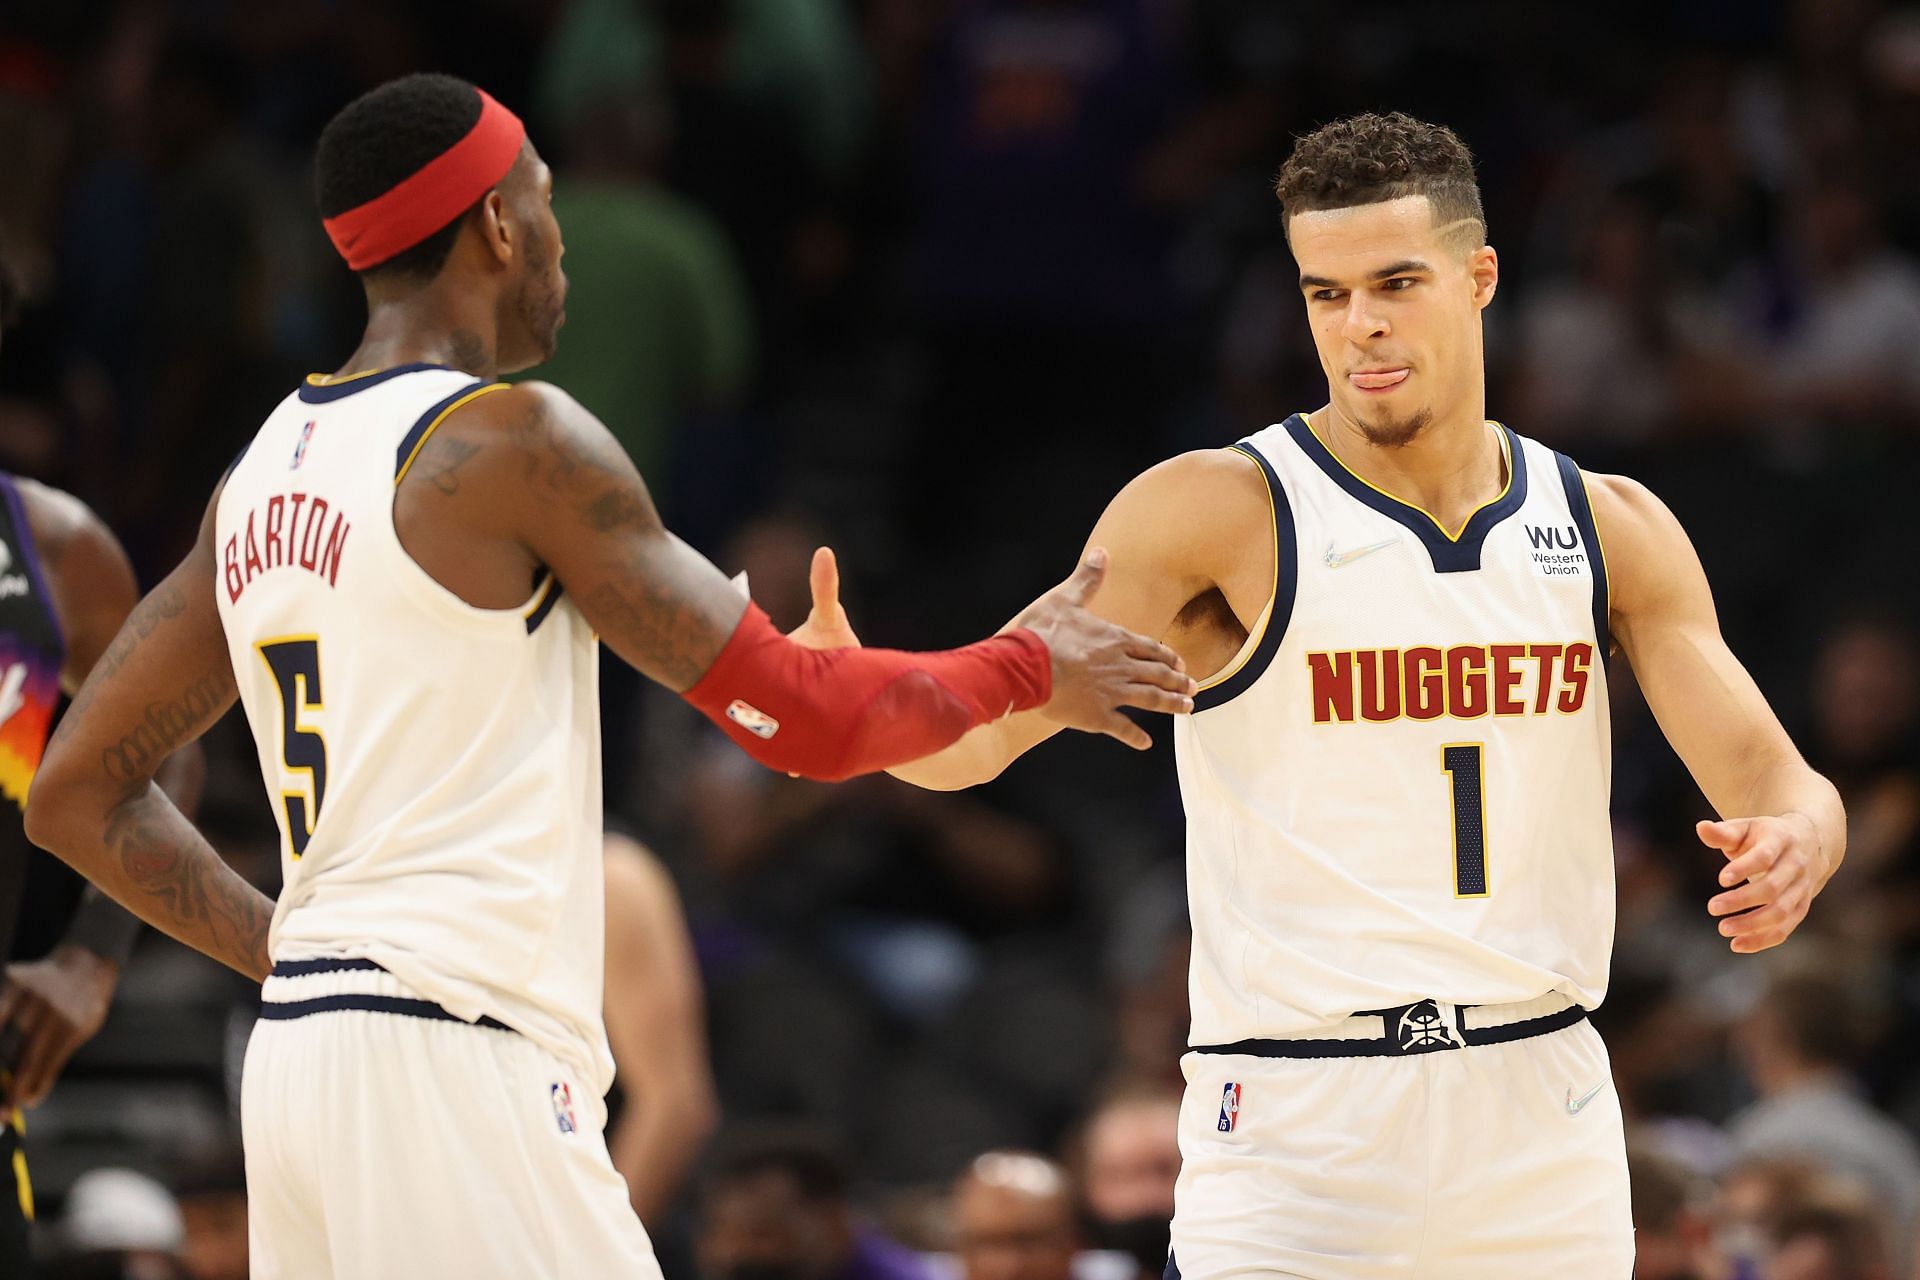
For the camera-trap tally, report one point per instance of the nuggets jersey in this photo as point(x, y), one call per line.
point(1398, 789)
point(434, 767)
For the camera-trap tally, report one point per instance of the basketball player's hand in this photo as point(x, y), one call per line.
point(54, 1005)
point(826, 626)
point(1774, 869)
point(1099, 667)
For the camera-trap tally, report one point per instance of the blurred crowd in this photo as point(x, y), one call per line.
point(929, 280)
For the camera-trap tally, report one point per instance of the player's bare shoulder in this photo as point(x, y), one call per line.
point(1652, 568)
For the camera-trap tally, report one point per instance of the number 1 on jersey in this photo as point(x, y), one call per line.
point(1463, 763)
point(295, 664)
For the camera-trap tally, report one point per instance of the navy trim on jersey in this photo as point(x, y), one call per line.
point(1286, 585)
point(1582, 510)
point(325, 964)
point(418, 431)
point(327, 392)
point(545, 607)
point(1172, 1271)
point(285, 1010)
point(1449, 555)
point(1387, 1046)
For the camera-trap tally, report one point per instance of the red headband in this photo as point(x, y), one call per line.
point(367, 235)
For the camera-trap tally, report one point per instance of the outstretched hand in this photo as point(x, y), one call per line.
point(1774, 868)
point(54, 1005)
point(826, 626)
point(1099, 667)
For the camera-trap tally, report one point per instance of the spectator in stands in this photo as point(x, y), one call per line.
point(212, 1195)
point(1755, 1196)
point(777, 1208)
point(1671, 1231)
point(1129, 1159)
point(1830, 1242)
point(1014, 1218)
point(1798, 1046)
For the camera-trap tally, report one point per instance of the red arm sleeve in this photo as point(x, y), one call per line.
point(831, 714)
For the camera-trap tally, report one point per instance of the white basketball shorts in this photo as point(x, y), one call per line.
point(384, 1142)
point(1447, 1153)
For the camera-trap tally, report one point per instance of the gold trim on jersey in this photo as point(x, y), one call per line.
point(1252, 645)
point(1506, 452)
point(335, 379)
point(441, 417)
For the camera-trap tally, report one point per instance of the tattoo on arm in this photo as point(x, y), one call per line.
point(186, 888)
point(440, 462)
point(166, 725)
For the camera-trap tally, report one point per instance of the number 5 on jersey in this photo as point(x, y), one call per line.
point(295, 664)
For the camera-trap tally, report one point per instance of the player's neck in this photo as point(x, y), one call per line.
point(425, 326)
point(1451, 468)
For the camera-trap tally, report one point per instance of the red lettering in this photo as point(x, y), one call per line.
point(310, 539)
point(1467, 681)
point(1332, 676)
point(1379, 683)
point(233, 570)
point(1578, 665)
point(252, 561)
point(276, 511)
point(336, 543)
point(1546, 653)
point(1505, 677)
point(1426, 683)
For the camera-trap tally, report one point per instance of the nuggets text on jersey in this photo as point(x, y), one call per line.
point(1460, 682)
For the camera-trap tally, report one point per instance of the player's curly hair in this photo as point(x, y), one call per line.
point(1368, 159)
point(384, 137)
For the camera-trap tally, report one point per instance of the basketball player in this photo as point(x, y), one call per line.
point(404, 579)
point(1396, 772)
point(65, 589)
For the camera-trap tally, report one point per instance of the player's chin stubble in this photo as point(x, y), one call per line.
point(1391, 434)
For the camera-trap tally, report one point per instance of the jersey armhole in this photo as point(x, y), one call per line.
point(1257, 655)
point(1580, 506)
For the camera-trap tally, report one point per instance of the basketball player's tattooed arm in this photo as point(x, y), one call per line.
point(549, 481)
point(163, 682)
point(1782, 828)
point(58, 1002)
point(1191, 553)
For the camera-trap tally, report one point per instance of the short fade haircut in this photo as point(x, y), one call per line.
point(382, 138)
point(1370, 159)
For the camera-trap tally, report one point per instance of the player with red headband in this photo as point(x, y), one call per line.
point(404, 579)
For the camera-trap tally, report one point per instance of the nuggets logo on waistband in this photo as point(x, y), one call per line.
point(1462, 682)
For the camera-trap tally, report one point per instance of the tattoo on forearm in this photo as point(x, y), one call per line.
point(188, 891)
point(165, 726)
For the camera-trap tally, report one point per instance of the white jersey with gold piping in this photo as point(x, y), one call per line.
point(1398, 789)
point(434, 767)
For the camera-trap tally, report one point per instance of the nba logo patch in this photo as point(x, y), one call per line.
point(300, 450)
point(752, 719)
point(1229, 1108)
point(563, 1107)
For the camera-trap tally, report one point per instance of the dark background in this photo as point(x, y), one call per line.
point(929, 280)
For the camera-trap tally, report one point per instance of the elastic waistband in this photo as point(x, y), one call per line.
point(1425, 1026)
point(276, 1008)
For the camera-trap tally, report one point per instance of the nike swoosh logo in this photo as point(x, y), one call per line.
point(1576, 1105)
point(1337, 558)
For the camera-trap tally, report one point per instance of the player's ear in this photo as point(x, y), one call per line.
point(496, 228)
point(1483, 264)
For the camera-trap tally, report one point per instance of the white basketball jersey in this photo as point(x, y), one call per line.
point(434, 767)
point(1398, 789)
